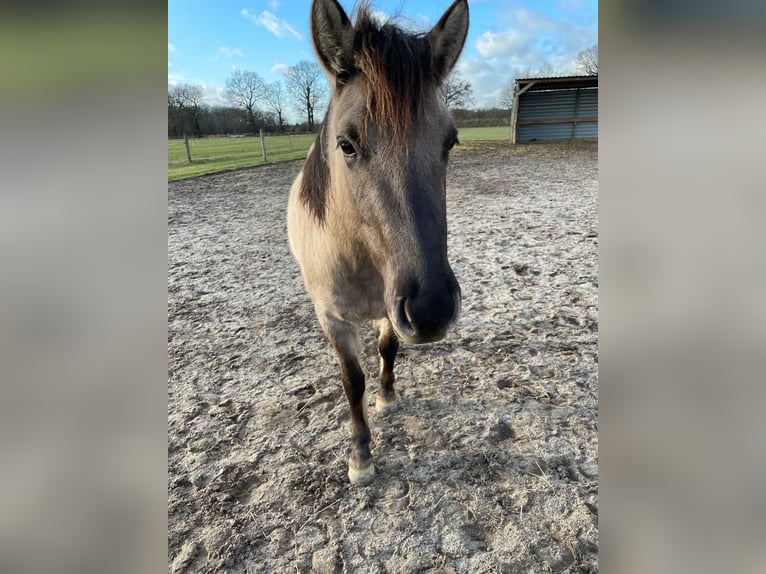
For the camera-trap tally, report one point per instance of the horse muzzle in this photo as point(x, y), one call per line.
point(426, 315)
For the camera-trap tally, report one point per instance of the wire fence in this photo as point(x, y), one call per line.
point(188, 157)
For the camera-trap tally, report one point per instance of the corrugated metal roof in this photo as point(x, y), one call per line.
point(567, 77)
point(558, 82)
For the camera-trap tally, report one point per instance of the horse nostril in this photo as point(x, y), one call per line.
point(402, 318)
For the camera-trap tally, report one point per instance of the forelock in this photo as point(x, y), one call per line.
point(398, 74)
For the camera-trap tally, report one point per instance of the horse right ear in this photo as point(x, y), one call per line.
point(333, 36)
point(448, 36)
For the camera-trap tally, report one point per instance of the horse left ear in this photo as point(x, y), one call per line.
point(448, 36)
point(333, 36)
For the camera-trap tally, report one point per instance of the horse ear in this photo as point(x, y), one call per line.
point(332, 33)
point(448, 36)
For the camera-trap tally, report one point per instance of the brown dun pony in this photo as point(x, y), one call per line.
point(367, 215)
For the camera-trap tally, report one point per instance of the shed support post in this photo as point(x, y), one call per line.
point(515, 109)
point(514, 114)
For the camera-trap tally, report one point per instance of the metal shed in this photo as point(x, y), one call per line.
point(554, 109)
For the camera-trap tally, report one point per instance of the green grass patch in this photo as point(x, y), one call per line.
point(214, 154)
point(501, 133)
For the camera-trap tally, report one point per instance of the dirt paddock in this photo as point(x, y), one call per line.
point(489, 465)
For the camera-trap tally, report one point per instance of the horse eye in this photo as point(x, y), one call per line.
point(347, 148)
point(453, 144)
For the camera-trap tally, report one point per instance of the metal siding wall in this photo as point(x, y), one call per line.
point(544, 132)
point(545, 105)
point(588, 103)
point(586, 130)
point(557, 105)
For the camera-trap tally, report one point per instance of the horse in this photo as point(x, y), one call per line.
point(366, 216)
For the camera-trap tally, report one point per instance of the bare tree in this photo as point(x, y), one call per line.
point(175, 118)
point(307, 87)
point(587, 61)
point(173, 99)
point(457, 93)
point(186, 101)
point(275, 99)
point(246, 89)
point(506, 96)
point(545, 70)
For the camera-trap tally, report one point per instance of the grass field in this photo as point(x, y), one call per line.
point(501, 133)
point(214, 154)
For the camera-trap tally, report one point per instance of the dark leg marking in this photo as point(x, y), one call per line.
point(360, 463)
point(344, 338)
point(388, 345)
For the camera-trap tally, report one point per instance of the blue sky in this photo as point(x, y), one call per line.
point(207, 39)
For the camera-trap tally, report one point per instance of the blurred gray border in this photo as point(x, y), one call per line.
point(682, 274)
point(83, 311)
point(83, 306)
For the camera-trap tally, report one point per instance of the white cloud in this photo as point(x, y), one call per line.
point(423, 21)
point(215, 95)
point(171, 48)
point(379, 17)
point(416, 24)
point(279, 69)
point(266, 19)
point(274, 4)
point(227, 52)
point(526, 41)
point(176, 78)
point(531, 36)
point(492, 44)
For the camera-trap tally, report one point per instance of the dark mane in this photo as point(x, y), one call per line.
point(316, 176)
point(398, 71)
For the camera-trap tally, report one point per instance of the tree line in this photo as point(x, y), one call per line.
point(255, 104)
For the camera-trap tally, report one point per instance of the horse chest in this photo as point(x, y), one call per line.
point(358, 293)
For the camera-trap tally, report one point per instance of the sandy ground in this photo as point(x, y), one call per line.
point(489, 465)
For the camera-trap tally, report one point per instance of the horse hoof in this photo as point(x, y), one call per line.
point(384, 406)
point(361, 476)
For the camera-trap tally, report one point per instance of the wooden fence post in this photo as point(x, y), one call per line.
point(186, 143)
point(263, 146)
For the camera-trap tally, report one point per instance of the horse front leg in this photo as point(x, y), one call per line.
point(344, 339)
point(388, 345)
